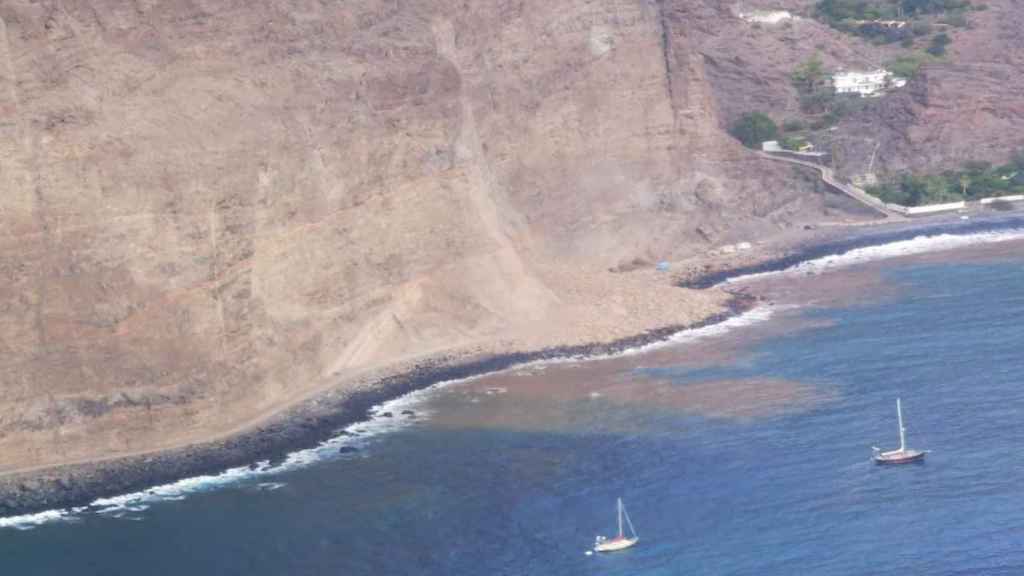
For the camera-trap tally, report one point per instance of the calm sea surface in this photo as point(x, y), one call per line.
point(741, 453)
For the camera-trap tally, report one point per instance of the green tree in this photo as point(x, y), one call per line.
point(938, 45)
point(793, 125)
point(809, 76)
point(1017, 159)
point(753, 128)
point(792, 142)
point(921, 28)
point(906, 66)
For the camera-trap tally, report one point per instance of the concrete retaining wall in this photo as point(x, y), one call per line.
point(936, 208)
point(1014, 198)
point(930, 209)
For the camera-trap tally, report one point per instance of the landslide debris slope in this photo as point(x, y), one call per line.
point(211, 209)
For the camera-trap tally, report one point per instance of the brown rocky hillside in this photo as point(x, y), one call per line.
point(213, 208)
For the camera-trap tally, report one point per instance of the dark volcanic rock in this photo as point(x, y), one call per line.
point(275, 440)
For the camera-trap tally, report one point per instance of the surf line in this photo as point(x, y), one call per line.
point(922, 244)
point(358, 434)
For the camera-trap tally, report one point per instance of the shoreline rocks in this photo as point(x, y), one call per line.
point(322, 417)
point(315, 421)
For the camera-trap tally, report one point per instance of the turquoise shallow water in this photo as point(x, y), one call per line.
point(515, 475)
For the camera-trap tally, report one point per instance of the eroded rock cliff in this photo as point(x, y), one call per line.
point(213, 208)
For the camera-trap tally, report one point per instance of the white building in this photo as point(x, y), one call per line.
point(890, 24)
point(866, 83)
point(770, 17)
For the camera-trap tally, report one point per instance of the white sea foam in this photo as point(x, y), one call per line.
point(750, 317)
point(753, 316)
point(30, 521)
point(918, 245)
point(127, 506)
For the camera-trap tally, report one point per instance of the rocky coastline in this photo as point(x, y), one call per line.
point(312, 422)
point(324, 416)
point(876, 235)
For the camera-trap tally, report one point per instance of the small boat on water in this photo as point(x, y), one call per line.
point(902, 455)
point(620, 542)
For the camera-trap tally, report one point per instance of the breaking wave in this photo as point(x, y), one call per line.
point(917, 245)
point(127, 506)
point(356, 435)
point(29, 521)
point(750, 317)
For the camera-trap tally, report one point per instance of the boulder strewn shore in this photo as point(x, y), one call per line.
point(325, 415)
point(305, 426)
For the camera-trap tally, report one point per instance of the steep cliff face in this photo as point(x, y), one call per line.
point(211, 208)
point(749, 64)
point(966, 106)
point(969, 106)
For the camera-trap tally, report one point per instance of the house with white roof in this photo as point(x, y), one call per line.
point(869, 84)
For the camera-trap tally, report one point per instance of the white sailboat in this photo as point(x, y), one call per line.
point(902, 455)
point(620, 542)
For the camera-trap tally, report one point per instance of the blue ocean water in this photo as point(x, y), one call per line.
point(518, 478)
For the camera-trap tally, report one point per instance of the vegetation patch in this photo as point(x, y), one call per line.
point(903, 21)
point(753, 128)
point(975, 180)
point(818, 97)
point(795, 143)
point(906, 66)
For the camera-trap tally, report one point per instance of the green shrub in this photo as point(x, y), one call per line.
point(812, 82)
point(957, 19)
point(921, 28)
point(753, 128)
point(906, 66)
point(793, 125)
point(834, 11)
point(974, 180)
point(857, 16)
point(792, 142)
point(809, 76)
point(817, 103)
point(820, 123)
point(846, 104)
point(937, 47)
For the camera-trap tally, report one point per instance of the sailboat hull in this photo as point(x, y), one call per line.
point(900, 457)
point(616, 544)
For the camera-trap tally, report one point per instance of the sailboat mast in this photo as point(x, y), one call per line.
point(903, 431)
point(632, 529)
point(620, 517)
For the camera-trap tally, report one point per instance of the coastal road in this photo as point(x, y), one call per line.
point(828, 176)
